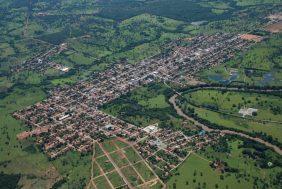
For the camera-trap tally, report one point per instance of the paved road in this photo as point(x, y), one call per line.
point(172, 100)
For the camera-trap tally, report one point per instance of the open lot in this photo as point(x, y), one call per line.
point(275, 28)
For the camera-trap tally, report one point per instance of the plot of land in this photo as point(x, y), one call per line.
point(116, 164)
point(275, 28)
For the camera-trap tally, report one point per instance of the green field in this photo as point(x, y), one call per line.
point(25, 158)
point(231, 102)
point(196, 171)
point(145, 105)
point(109, 146)
point(102, 183)
point(115, 179)
point(144, 171)
point(131, 176)
point(105, 163)
point(119, 158)
point(222, 108)
point(256, 2)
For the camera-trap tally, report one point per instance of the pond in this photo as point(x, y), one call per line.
point(220, 79)
point(266, 78)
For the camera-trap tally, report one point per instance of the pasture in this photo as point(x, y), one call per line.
point(196, 171)
point(222, 107)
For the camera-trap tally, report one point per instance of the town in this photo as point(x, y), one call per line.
point(70, 119)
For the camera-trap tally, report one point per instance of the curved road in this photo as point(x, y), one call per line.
point(172, 100)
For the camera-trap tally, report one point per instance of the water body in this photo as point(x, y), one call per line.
point(220, 79)
point(267, 78)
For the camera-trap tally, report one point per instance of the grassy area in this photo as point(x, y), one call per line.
point(155, 102)
point(5, 84)
point(261, 65)
point(231, 102)
point(109, 146)
point(256, 2)
point(105, 163)
point(196, 171)
point(131, 175)
point(145, 105)
point(75, 168)
point(119, 158)
point(22, 157)
point(17, 100)
point(222, 108)
point(102, 183)
point(25, 158)
point(122, 158)
point(96, 171)
point(120, 144)
point(144, 171)
point(98, 151)
point(131, 155)
point(115, 179)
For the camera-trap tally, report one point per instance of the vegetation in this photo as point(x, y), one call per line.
point(220, 109)
point(260, 66)
point(144, 106)
point(98, 34)
point(236, 168)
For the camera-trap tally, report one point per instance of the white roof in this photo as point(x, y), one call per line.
point(247, 111)
point(151, 128)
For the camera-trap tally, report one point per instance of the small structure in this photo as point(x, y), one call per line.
point(233, 71)
point(159, 143)
point(151, 129)
point(198, 23)
point(109, 127)
point(64, 117)
point(64, 69)
point(247, 111)
point(202, 133)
